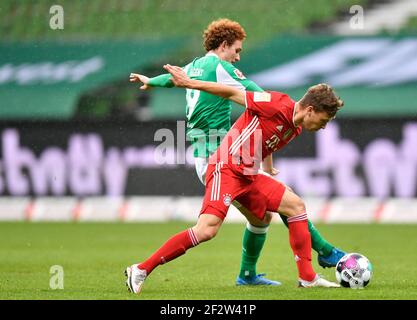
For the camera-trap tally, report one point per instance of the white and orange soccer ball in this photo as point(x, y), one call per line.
point(354, 271)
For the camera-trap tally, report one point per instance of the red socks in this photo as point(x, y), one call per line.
point(300, 241)
point(173, 248)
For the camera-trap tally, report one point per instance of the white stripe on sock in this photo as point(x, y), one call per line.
point(299, 217)
point(257, 230)
point(193, 237)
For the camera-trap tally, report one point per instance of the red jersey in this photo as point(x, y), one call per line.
point(267, 125)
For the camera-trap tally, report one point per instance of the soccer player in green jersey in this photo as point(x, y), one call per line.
point(208, 118)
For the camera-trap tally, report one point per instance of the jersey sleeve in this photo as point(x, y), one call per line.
point(252, 86)
point(163, 80)
point(229, 75)
point(264, 104)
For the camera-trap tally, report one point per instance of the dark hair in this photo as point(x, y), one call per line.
point(322, 98)
point(222, 30)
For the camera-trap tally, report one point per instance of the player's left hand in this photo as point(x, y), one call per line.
point(136, 77)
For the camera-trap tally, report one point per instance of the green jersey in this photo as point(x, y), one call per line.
point(208, 116)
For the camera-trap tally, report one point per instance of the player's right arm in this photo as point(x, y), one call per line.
point(228, 74)
point(180, 79)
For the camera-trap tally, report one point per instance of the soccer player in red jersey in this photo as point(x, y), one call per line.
point(270, 122)
point(208, 117)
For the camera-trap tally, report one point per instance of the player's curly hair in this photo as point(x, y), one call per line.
point(222, 30)
point(322, 98)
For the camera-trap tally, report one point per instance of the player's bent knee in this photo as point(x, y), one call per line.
point(294, 207)
point(206, 234)
point(207, 227)
point(298, 208)
point(268, 218)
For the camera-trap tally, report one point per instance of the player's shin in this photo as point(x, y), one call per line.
point(175, 246)
point(318, 243)
point(253, 242)
point(300, 242)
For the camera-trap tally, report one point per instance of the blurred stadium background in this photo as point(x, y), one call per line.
point(77, 139)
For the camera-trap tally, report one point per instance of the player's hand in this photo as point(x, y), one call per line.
point(136, 77)
point(179, 77)
point(272, 171)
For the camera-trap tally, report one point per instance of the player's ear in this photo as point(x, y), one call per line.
point(224, 45)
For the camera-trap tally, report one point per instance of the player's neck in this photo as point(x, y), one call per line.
point(298, 115)
point(218, 53)
point(214, 52)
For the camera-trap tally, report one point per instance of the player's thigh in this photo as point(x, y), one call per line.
point(291, 204)
point(222, 187)
point(264, 196)
point(279, 197)
point(250, 216)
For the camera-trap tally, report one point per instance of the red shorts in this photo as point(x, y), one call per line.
point(259, 193)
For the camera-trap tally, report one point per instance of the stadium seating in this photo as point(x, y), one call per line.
point(23, 20)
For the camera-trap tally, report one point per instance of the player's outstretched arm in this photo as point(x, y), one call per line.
point(136, 77)
point(180, 79)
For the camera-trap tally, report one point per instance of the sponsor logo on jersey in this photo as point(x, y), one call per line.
point(227, 199)
point(287, 134)
point(239, 74)
point(262, 97)
point(196, 72)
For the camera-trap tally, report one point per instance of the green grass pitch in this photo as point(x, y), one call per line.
point(93, 257)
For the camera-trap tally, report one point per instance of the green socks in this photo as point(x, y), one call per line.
point(254, 239)
point(318, 243)
point(253, 242)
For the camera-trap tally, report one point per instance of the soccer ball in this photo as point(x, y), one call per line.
point(354, 271)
